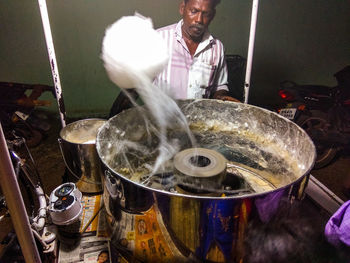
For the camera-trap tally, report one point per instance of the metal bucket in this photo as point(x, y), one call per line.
point(78, 148)
point(268, 159)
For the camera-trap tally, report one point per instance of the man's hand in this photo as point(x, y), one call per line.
point(224, 95)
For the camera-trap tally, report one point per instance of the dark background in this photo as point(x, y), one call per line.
point(306, 41)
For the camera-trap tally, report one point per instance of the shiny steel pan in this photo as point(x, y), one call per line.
point(157, 218)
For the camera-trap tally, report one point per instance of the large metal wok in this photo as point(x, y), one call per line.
point(157, 218)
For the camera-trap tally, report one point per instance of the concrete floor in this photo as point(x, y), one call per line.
point(48, 157)
point(336, 175)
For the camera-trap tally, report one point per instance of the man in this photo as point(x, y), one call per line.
point(196, 67)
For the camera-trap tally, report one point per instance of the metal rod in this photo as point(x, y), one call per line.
point(250, 49)
point(52, 58)
point(92, 218)
point(14, 200)
point(323, 196)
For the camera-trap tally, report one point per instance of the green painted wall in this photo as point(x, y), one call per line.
point(301, 40)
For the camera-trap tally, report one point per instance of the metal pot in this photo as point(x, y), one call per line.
point(156, 219)
point(78, 148)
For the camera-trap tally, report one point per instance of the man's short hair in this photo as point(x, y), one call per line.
point(215, 2)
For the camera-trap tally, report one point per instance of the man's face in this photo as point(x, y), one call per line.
point(197, 15)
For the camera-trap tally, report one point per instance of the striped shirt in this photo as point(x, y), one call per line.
point(192, 77)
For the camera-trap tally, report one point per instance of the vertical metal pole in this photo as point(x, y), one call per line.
point(52, 57)
point(250, 49)
point(14, 200)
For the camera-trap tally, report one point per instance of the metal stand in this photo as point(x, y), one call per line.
point(14, 200)
point(323, 196)
point(250, 49)
point(52, 60)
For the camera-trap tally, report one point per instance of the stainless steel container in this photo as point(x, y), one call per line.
point(157, 220)
point(78, 148)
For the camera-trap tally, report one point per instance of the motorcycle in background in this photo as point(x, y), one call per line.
point(17, 111)
point(322, 111)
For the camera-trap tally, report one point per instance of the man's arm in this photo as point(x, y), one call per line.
point(224, 95)
point(122, 102)
point(222, 92)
